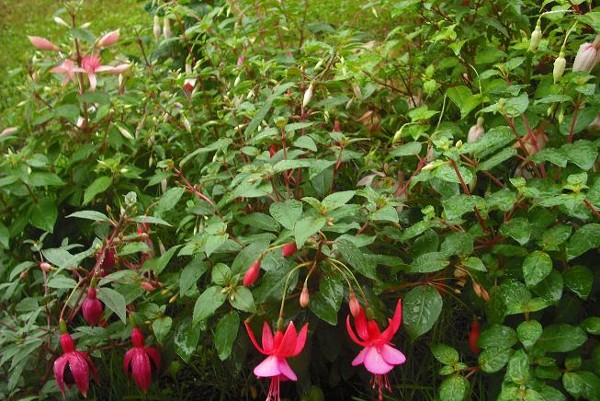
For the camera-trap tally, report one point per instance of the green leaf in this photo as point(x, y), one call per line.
point(518, 229)
point(44, 214)
point(324, 308)
point(497, 337)
point(207, 303)
point(454, 388)
point(306, 227)
point(226, 333)
point(585, 238)
point(582, 153)
point(492, 141)
point(158, 265)
point(422, 308)
point(286, 213)
point(150, 220)
point(493, 359)
point(579, 279)
point(536, 267)
point(497, 159)
point(186, 339)
point(445, 354)
point(518, 368)
point(561, 338)
point(99, 185)
point(473, 263)
point(337, 199)
point(220, 274)
point(555, 236)
point(462, 97)
point(264, 110)
point(529, 332)
point(554, 156)
point(169, 200)
point(408, 149)
point(4, 236)
point(429, 263)
point(41, 179)
point(161, 327)
point(456, 206)
point(134, 247)
point(113, 301)
point(190, 276)
point(582, 384)
point(90, 215)
point(355, 257)
point(591, 325)
point(62, 282)
point(516, 106)
point(242, 299)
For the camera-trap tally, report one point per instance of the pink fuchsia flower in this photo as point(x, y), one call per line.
point(289, 249)
point(378, 355)
point(140, 361)
point(43, 44)
point(73, 367)
point(92, 308)
point(252, 273)
point(109, 39)
point(67, 69)
point(90, 65)
point(278, 348)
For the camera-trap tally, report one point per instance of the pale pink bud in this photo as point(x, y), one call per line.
point(585, 60)
point(308, 95)
point(45, 266)
point(304, 297)
point(156, 27)
point(240, 61)
point(43, 44)
point(355, 307)
point(167, 28)
point(476, 131)
point(109, 39)
point(559, 67)
point(252, 273)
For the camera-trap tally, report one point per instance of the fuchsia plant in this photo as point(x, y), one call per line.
point(141, 361)
point(73, 367)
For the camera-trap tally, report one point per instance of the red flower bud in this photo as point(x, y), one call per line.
point(474, 336)
point(304, 297)
point(92, 308)
point(252, 273)
point(272, 150)
point(289, 249)
point(355, 307)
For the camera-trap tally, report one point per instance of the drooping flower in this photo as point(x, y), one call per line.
point(140, 361)
point(67, 69)
point(304, 296)
point(252, 273)
point(476, 131)
point(90, 65)
point(474, 336)
point(536, 37)
point(156, 30)
point(559, 67)
point(73, 367)
point(308, 94)
point(278, 348)
point(586, 58)
point(378, 355)
point(43, 44)
point(92, 308)
point(109, 39)
point(289, 249)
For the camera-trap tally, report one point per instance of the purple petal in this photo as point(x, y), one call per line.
point(285, 369)
point(267, 368)
point(375, 363)
point(360, 358)
point(392, 356)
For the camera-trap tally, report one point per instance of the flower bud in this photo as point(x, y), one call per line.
point(61, 21)
point(166, 28)
point(476, 131)
point(156, 28)
point(308, 95)
point(289, 249)
point(354, 305)
point(474, 336)
point(273, 149)
point(188, 85)
point(586, 58)
point(357, 91)
point(559, 67)
point(109, 39)
point(252, 273)
point(92, 308)
point(536, 36)
point(304, 297)
point(240, 61)
point(45, 267)
point(147, 286)
point(43, 44)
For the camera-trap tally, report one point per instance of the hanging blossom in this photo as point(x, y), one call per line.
point(378, 355)
point(140, 361)
point(73, 367)
point(278, 348)
point(67, 69)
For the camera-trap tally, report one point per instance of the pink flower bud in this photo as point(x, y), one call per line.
point(586, 58)
point(289, 249)
point(92, 308)
point(304, 297)
point(354, 305)
point(43, 44)
point(476, 131)
point(252, 273)
point(559, 67)
point(240, 61)
point(45, 266)
point(109, 39)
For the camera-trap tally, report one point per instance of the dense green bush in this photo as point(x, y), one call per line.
point(273, 162)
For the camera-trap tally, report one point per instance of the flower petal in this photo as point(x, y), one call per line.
point(140, 369)
point(375, 363)
point(300, 340)
point(288, 342)
point(267, 338)
point(253, 338)
point(392, 356)
point(59, 371)
point(154, 356)
point(93, 81)
point(360, 322)
point(394, 323)
point(351, 333)
point(267, 368)
point(80, 370)
point(360, 358)
point(285, 369)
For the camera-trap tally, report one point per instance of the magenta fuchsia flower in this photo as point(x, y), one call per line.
point(73, 367)
point(92, 308)
point(378, 355)
point(278, 348)
point(67, 69)
point(140, 361)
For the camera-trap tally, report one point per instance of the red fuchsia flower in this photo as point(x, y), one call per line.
point(140, 361)
point(289, 249)
point(474, 336)
point(92, 308)
point(43, 44)
point(73, 367)
point(67, 69)
point(252, 273)
point(188, 85)
point(109, 39)
point(378, 355)
point(278, 348)
point(90, 65)
point(272, 150)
